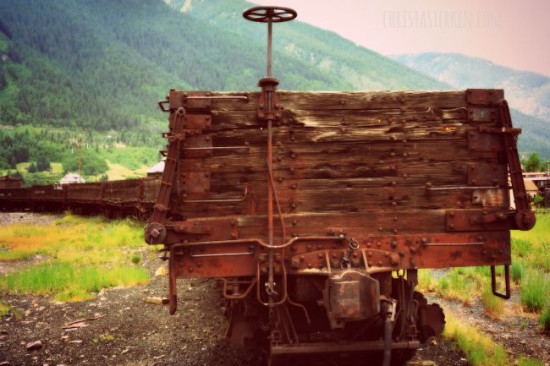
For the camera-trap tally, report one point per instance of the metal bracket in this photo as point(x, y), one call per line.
point(484, 142)
point(480, 114)
point(487, 175)
point(484, 96)
point(473, 220)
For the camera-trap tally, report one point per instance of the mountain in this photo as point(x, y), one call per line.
point(96, 68)
point(528, 92)
point(103, 64)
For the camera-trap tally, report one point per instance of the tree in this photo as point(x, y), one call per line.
point(32, 168)
point(532, 163)
point(42, 163)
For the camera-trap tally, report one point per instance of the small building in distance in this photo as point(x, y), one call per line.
point(157, 169)
point(10, 182)
point(71, 178)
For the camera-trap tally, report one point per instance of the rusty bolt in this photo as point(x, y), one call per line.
point(301, 258)
point(280, 179)
point(395, 231)
point(155, 233)
point(233, 222)
point(392, 154)
point(294, 222)
point(355, 255)
point(293, 156)
point(451, 226)
point(293, 205)
point(369, 253)
point(413, 250)
point(294, 186)
point(233, 236)
point(199, 264)
point(190, 269)
point(368, 244)
point(387, 254)
point(309, 265)
point(320, 255)
point(379, 244)
point(394, 243)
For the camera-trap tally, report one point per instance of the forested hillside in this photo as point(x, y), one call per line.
point(92, 71)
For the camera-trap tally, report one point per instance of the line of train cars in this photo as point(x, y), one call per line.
point(121, 198)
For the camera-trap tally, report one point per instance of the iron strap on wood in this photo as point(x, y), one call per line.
point(155, 232)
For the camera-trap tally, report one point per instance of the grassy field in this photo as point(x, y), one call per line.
point(530, 272)
point(73, 257)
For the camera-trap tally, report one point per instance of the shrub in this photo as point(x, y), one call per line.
point(516, 270)
point(136, 257)
point(493, 305)
point(534, 291)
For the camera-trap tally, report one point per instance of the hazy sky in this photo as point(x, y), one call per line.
point(513, 33)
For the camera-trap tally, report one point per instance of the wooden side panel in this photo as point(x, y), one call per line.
point(364, 164)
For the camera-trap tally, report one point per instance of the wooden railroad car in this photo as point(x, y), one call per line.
point(317, 221)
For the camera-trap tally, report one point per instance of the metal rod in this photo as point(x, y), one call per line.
point(270, 199)
point(269, 40)
point(243, 97)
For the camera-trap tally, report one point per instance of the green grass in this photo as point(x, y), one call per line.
point(493, 305)
point(517, 270)
point(82, 256)
point(479, 349)
point(534, 245)
point(66, 281)
point(460, 283)
point(528, 361)
point(4, 309)
point(535, 291)
point(530, 270)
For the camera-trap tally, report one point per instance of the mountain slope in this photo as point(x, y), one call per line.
point(527, 91)
point(105, 63)
point(323, 51)
point(70, 66)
